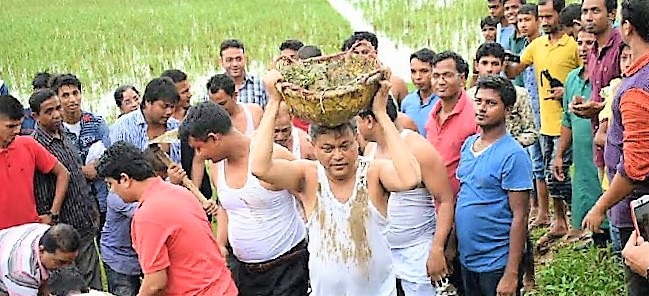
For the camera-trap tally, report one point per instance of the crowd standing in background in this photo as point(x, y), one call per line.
point(432, 192)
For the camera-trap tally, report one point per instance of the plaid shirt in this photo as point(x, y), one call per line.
point(77, 210)
point(253, 91)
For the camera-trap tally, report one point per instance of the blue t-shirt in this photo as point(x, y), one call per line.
point(411, 106)
point(482, 214)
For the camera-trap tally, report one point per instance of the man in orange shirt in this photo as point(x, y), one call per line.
point(171, 235)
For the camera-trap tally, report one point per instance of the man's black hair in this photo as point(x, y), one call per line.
point(570, 14)
point(530, 9)
point(124, 158)
point(611, 5)
point(308, 51)
point(363, 36)
point(490, 49)
point(119, 93)
point(10, 107)
point(488, 21)
point(41, 80)
point(635, 12)
point(557, 5)
point(291, 44)
point(522, 2)
point(61, 237)
point(317, 130)
point(502, 86)
point(390, 108)
point(176, 75)
point(61, 80)
point(460, 64)
point(161, 89)
point(204, 119)
point(231, 43)
point(347, 44)
point(65, 280)
point(221, 82)
point(37, 99)
point(424, 55)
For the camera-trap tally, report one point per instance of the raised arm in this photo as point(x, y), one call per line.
point(403, 173)
point(280, 173)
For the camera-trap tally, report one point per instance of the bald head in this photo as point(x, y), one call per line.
point(283, 125)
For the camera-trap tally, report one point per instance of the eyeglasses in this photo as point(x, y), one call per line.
point(446, 76)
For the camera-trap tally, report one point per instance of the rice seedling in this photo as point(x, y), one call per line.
point(112, 42)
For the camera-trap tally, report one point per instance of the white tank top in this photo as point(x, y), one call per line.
point(262, 224)
point(348, 252)
point(411, 213)
point(297, 152)
point(250, 123)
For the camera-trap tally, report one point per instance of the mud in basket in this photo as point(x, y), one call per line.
point(329, 90)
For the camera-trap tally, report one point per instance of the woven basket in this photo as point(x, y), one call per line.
point(338, 104)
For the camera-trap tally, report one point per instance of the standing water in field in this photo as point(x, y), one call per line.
point(390, 53)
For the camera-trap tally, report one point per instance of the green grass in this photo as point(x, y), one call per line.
point(112, 42)
point(427, 24)
point(582, 273)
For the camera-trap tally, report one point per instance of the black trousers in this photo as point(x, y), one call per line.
point(288, 275)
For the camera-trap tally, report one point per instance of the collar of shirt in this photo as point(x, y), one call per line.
point(638, 64)
point(421, 99)
point(562, 41)
point(614, 38)
point(457, 109)
point(47, 138)
point(141, 121)
point(36, 248)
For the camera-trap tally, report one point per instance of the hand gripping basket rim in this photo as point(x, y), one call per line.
point(335, 106)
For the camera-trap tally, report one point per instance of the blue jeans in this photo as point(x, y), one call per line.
point(538, 165)
point(122, 284)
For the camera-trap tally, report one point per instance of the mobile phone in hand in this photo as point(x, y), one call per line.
point(640, 213)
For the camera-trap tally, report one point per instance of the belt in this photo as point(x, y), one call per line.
point(299, 249)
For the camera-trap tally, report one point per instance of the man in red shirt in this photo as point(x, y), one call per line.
point(20, 157)
point(452, 119)
point(171, 235)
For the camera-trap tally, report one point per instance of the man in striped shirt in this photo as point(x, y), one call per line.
point(79, 208)
point(28, 253)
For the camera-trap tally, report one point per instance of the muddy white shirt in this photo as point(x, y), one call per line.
point(348, 252)
point(295, 133)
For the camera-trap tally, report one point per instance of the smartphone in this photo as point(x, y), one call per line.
point(512, 58)
point(640, 213)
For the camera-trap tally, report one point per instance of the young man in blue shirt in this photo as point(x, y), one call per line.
point(495, 176)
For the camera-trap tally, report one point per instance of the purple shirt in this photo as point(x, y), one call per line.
point(620, 214)
point(603, 66)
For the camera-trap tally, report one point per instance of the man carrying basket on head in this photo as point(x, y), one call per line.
point(344, 196)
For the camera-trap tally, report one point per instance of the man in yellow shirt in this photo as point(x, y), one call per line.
point(553, 55)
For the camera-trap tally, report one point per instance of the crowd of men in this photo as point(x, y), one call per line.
point(423, 193)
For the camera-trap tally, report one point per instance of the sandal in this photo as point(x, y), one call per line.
point(549, 238)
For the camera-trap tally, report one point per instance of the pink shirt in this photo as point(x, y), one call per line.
point(449, 136)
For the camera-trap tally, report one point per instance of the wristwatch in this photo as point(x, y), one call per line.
point(55, 217)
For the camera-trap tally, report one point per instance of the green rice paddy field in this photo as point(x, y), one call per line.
point(112, 42)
